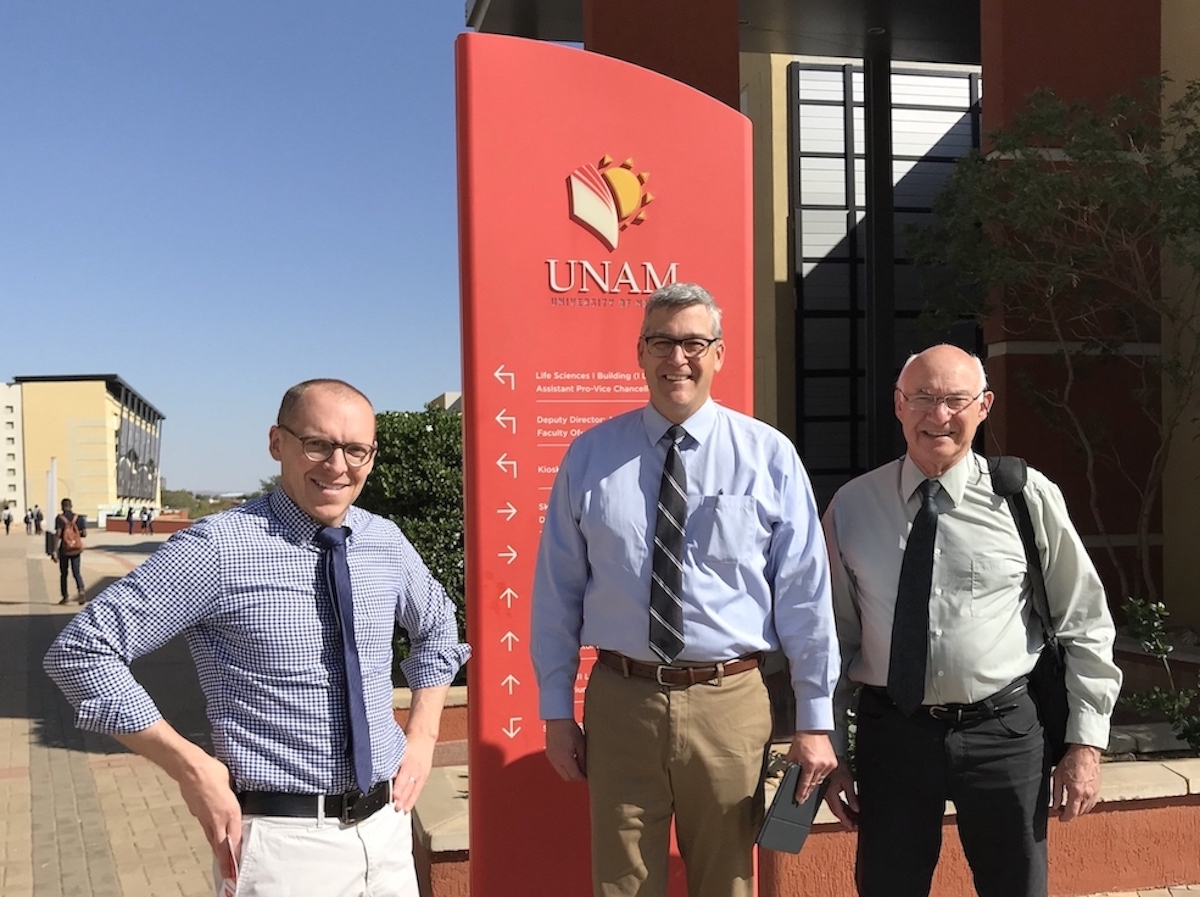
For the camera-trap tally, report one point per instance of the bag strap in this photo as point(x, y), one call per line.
point(1009, 474)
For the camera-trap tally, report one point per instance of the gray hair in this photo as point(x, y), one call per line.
point(675, 296)
point(975, 358)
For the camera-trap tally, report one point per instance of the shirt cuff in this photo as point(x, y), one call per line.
point(814, 715)
point(1086, 727)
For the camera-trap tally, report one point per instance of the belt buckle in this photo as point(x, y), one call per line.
point(658, 674)
point(349, 804)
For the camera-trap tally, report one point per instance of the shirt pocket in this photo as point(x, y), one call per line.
point(995, 584)
point(724, 528)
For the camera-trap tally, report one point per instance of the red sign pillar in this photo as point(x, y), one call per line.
point(584, 184)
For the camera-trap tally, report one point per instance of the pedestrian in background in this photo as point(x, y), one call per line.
point(129, 519)
point(69, 533)
point(8, 519)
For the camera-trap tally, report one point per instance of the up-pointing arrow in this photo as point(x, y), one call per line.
point(507, 597)
point(502, 375)
point(508, 509)
point(509, 681)
point(513, 728)
point(511, 554)
point(508, 638)
point(506, 465)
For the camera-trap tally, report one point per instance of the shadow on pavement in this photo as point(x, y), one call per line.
point(142, 547)
point(167, 675)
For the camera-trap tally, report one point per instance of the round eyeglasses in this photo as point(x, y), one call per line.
point(955, 402)
point(315, 448)
point(663, 346)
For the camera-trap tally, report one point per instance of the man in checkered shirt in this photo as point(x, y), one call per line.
point(279, 803)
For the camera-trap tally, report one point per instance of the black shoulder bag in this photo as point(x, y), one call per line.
point(1047, 682)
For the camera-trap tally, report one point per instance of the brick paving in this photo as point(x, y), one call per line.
point(79, 815)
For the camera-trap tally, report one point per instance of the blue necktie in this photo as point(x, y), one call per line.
point(337, 576)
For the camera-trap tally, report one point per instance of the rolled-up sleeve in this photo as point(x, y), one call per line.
point(140, 613)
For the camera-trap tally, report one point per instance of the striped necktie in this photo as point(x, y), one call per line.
point(666, 578)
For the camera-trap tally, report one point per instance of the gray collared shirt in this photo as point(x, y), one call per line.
point(981, 636)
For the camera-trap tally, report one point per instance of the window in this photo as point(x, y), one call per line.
point(8, 425)
point(11, 456)
point(8, 409)
point(10, 441)
point(11, 472)
point(12, 487)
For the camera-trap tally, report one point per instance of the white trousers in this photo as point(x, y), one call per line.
point(307, 857)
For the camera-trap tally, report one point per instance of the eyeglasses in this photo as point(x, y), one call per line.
point(955, 403)
point(664, 346)
point(315, 448)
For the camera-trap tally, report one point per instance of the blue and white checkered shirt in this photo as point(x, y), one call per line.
point(245, 587)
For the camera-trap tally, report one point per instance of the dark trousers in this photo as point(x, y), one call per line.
point(996, 773)
point(73, 561)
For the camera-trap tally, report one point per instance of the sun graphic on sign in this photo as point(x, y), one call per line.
point(606, 198)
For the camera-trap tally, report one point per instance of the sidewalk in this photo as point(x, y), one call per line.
point(80, 816)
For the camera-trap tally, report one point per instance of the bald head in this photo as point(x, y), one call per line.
point(937, 436)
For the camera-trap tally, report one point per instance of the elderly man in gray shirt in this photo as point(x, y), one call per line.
point(944, 711)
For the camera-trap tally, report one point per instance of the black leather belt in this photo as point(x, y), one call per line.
point(351, 807)
point(989, 708)
point(679, 676)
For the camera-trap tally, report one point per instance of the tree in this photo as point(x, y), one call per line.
point(418, 483)
point(1063, 232)
point(264, 486)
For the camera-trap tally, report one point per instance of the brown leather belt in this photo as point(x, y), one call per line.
point(679, 676)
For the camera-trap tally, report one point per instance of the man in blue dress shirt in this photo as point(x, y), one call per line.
point(252, 590)
point(684, 739)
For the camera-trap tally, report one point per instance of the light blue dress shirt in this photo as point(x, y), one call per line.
point(756, 574)
point(245, 589)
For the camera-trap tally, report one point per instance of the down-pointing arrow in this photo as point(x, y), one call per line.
point(513, 728)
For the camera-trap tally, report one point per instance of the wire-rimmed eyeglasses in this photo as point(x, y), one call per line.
point(955, 402)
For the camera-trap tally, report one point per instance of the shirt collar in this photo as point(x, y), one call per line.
point(299, 524)
point(699, 426)
point(953, 481)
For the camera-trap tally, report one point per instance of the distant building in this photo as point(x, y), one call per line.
point(99, 436)
point(12, 473)
point(447, 401)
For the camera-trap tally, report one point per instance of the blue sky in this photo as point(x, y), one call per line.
point(215, 200)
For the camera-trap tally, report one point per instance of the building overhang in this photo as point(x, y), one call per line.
point(942, 31)
point(116, 387)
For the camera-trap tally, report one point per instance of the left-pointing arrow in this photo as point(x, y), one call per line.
point(507, 465)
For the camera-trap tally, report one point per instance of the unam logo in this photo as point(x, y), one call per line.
point(607, 198)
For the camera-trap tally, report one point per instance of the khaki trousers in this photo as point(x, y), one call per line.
point(694, 753)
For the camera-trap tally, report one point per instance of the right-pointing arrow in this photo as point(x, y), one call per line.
point(511, 554)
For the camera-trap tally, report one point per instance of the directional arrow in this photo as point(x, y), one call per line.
point(506, 465)
point(507, 597)
point(509, 681)
point(513, 728)
point(511, 554)
point(502, 375)
point(508, 638)
point(504, 420)
point(510, 510)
